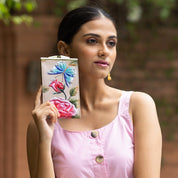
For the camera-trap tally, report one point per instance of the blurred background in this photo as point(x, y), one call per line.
point(147, 61)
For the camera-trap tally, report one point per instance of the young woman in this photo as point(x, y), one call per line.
point(118, 135)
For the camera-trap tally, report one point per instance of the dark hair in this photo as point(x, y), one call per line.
point(72, 22)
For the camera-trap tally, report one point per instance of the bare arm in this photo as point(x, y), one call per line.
point(147, 134)
point(32, 148)
point(39, 136)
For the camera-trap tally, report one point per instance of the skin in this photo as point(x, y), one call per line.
point(95, 41)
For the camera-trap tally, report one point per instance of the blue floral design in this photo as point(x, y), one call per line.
point(62, 68)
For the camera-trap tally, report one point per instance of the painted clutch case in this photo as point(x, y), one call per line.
point(60, 84)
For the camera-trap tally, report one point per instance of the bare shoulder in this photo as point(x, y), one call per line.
point(143, 108)
point(141, 98)
point(144, 114)
point(141, 101)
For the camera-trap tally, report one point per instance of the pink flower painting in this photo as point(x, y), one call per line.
point(60, 84)
point(65, 108)
point(57, 86)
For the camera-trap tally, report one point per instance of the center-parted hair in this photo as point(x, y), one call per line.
point(72, 21)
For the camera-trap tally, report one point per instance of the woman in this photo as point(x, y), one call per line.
point(118, 135)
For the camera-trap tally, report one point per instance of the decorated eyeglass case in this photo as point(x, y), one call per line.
point(60, 84)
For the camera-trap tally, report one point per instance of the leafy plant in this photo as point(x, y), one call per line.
point(135, 8)
point(62, 6)
point(10, 11)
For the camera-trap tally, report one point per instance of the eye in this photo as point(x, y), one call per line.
point(91, 41)
point(111, 43)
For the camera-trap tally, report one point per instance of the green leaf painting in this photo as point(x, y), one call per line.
point(73, 91)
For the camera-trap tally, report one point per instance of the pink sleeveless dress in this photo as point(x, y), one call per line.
point(107, 152)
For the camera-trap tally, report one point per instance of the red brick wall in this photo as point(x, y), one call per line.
point(147, 61)
point(7, 103)
point(20, 45)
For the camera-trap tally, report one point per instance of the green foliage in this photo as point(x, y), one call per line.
point(73, 91)
point(164, 7)
point(134, 11)
point(76, 3)
point(60, 7)
point(117, 1)
point(74, 102)
point(63, 5)
point(10, 8)
point(22, 18)
point(135, 8)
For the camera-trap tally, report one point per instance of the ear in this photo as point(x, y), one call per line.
point(63, 48)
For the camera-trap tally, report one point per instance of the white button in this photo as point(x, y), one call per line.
point(99, 159)
point(94, 133)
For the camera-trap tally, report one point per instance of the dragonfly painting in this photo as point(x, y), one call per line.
point(68, 72)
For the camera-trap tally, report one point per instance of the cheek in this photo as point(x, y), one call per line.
point(86, 52)
point(113, 58)
point(81, 50)
point(114, 55)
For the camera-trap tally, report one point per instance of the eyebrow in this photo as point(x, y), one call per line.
point(93, 34)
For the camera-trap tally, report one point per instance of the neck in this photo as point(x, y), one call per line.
point(92, 92)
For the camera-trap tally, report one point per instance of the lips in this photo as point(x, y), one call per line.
point(102, 63)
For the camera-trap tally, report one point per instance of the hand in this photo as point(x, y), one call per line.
point(45, 116)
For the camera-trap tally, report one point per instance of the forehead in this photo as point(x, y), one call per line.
point(101, 25)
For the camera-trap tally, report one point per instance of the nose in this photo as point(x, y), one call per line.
point(103, 51)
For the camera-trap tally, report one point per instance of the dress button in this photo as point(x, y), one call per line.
point(99, 159)
point(94, 133)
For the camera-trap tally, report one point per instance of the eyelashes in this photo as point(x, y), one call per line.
point(91, 41)
point(111, 43)
point(94, 41)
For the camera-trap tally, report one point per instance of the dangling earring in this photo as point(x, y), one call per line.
point(109, 77)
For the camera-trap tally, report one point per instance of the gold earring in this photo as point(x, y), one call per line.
point(109, 77)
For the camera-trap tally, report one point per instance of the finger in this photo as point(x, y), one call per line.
point(38, 98)
point(56, 113)
point(40, 111)
point(48, 111)
point(51, 118)
point(56, 110)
